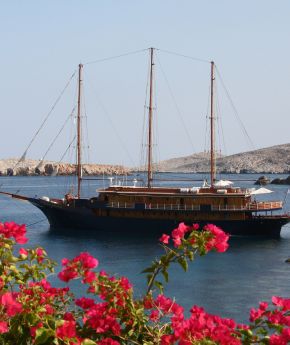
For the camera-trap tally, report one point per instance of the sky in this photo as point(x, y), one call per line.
point(42, 43)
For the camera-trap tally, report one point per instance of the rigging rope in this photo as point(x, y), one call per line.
point(39, 221)
point(101, 105)
point(221, 138)
point(142, 161)
point(185, 56)
point(115, 57)
point(45, 119)
point(58, 134)
point(175, 104)
point(235, 110)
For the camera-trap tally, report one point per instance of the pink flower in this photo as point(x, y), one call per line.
point(2, 284)
point(23, 252)
point(178, 234)
point(281, 302)
point(34, 328)
point(125, 284)
point(87, 260)
point(177, 242)
point(255, 314)
point(154, 316)
point(148, 302)
point(8, 300)
point(219, 241)
point(79, 265)
point(11, 229)
point(282, 339)
point(167, 339)
point(68, 316)
point(67, 275)
point(263, 306)
point(49, 309)
point(66, 330)
point(39, 252)
point(3, 327)
point(89, 277)
point(64, 261)
point(164, 239)
point(85, 303)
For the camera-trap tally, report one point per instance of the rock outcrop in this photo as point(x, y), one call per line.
point(10, 167)
point(271, 160)
point(274, 159)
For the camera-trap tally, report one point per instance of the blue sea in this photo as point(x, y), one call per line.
point(228, 284)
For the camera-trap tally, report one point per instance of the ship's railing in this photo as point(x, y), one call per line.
point(265, 205)
point(253, 206)
point(150, 206)
point(173, 207)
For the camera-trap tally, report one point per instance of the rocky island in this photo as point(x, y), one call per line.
point(270, 160)
point(30, 167)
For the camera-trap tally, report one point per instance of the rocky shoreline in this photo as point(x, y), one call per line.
point(271, 160)
point(29, 167)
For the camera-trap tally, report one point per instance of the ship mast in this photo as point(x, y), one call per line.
point(79, 148)
point(149, 169)
point(212, 137)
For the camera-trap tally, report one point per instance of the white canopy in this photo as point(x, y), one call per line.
point(261, 190)
point(223, 183)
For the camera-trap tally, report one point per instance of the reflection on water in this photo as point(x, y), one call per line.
point(252, 270)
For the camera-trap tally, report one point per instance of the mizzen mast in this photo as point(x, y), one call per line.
point(212, 129)
point(79, 147)
point(149, 168)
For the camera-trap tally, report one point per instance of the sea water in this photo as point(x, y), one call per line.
point(228, 284)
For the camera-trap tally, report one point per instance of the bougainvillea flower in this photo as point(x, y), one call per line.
point(3, 327)
point(164, 239)
point(66, 330)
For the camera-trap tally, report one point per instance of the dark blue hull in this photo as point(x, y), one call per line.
point(84, 218)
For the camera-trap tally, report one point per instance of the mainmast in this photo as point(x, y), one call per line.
point(212, 136)
point(149, 169)
point(79, 148)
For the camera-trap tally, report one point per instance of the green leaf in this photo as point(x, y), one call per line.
point(183, 263)
point(190, 255)
point(159, 285)
point(42, 335)
point(171, 255)
point(148, 270)
point(88, 342)
point(165, 275)
point(149, 276)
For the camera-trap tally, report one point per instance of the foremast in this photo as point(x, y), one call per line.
point(79, 132)
point(150, 118)
point(212, 128)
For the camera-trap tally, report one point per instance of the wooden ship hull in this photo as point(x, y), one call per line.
point(86, 218)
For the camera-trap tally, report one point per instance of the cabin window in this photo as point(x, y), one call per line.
point(205, 208)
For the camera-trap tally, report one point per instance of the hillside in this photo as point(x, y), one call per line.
point(32, 167)
point(274, 159)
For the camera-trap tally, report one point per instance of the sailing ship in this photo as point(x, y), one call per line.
point(153, 208)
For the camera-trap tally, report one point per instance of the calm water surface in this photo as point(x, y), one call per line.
point(253, 269)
